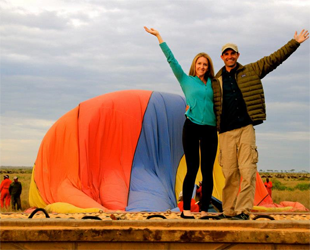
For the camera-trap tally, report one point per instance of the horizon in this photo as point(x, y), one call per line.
point(260, 171)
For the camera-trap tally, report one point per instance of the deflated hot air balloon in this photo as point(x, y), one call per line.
point(117, 151)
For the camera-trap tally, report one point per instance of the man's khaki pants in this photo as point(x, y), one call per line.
point(238, 158)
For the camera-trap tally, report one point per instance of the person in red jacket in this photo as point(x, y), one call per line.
point(268, 185)
point(4, 190)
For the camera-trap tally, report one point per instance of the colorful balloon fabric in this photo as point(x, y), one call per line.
point(112, 150)
point(117, 151)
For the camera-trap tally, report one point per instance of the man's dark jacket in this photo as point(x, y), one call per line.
point(248, 78)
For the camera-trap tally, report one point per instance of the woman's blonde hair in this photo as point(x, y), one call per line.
point(209, 73)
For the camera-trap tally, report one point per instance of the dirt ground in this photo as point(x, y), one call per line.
point(152, 216)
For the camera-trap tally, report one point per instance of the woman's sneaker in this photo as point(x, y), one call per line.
point(241, 216)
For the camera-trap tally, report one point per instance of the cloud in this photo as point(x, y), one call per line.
point(283, 150)
point(20, 139)
point(287, 137)
point(56, 54)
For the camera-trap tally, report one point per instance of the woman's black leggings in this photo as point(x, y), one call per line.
point(205, 136)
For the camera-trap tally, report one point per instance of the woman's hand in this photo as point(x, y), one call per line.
point(154, 33)
point(303, 36)
point(151, 31)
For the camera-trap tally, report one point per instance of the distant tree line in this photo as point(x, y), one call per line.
point(283, 171)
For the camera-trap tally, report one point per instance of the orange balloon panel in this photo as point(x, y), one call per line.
point(56, 163)
point(57, 166)
point(108, 136)
point(85, 158)
point(261, 194)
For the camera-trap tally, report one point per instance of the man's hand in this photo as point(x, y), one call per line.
point(303, 36)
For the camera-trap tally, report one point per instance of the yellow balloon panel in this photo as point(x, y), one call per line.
point(35, 199)
point(67, 208)
point(218, 178)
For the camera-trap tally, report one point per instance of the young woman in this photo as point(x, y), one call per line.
point(199, 129)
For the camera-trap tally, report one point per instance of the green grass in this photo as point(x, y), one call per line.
point(278, 185)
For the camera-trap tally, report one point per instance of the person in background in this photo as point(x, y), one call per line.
point(15, 190)
point(199, 130)
point(268, 185)
point(4, 190)
point(242, 107)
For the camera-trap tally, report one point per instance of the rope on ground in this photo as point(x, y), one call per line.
point(91, 218)
point(155, 216)
point(39, 210)
point(263, 216)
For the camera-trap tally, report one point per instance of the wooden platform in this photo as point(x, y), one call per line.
point(71, 233)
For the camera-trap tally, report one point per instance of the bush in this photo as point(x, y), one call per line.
point(277, 185)
point(303, 186)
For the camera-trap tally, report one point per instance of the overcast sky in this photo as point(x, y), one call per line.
point(56, 54)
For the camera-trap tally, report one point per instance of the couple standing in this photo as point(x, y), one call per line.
point(230, 102)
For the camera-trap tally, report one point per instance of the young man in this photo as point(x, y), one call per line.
point(242, 106)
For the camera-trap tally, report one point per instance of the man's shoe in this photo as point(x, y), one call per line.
point(186, 217)
point(241, 216)
point(224, 217)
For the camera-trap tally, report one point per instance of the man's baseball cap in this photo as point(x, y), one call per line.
point(15, 178)
point(232, 46)
point(6, 177)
